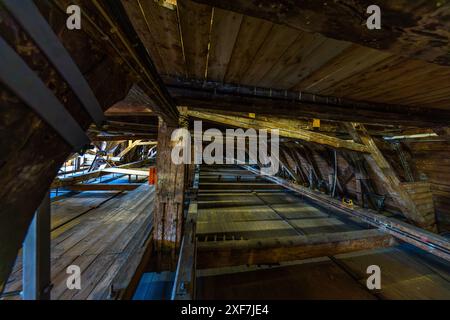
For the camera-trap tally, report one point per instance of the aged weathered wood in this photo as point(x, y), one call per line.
point(405, 26)
point(273, 251)
point(62, 182)
point(127, 171)
point(123, 137)
point(224, 33)
point(106, 239)
point(387, 175)
point(27, 141)
point(158, 29)
point(295, 134)
point(120, 26)
point(266, 101)
point(131, 146)
point(168, 217)
point(195, 26)
point(103, 187)
point(423, 239)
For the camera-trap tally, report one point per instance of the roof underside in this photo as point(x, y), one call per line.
point(200, 42)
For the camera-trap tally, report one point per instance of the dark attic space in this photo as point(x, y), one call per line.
point(224, 150)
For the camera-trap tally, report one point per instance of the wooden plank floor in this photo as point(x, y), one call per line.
point(101, 232)
point(255, 213)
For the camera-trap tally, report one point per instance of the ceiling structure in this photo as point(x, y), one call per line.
point(196, 42)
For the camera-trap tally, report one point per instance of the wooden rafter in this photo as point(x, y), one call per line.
point(271, 102)
point(293, 133)
point(130, 147)
point(387, 175)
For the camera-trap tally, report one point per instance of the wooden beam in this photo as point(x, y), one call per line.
point(64, 182)
point(168, 214)
point(127, 171)
point(123, 137)
point(300, 134)
point(31, 151)
point(125, 108)
point(152, 143)
point(418, 237)
point(131, 125)
point(271, 102)
point(388, 177)
point(273, 251)
point(405, 25)
point(103, 187)
point(130, 147)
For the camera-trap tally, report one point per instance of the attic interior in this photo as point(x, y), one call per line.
point(88, 179)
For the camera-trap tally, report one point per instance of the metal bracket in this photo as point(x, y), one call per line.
point(29, 17)
point(24, 82)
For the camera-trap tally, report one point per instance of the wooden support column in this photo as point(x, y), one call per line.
point(168, 215)
point(36, 255)
point(386, 174)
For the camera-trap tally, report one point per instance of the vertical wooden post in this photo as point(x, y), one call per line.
point(36, 255)
point(168, 215)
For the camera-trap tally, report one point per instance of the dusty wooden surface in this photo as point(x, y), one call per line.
point(265, 217)
point(101, 232)
point(247, 48)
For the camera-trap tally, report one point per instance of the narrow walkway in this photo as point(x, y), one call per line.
point(237, 205)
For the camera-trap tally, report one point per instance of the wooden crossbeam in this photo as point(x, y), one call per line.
point(152, 143)
point(273, 251)
point(300, 134)
point(271, 102)
point(64, 182)
point(123, 137)
point(127, 171)
point(104, 187)
point(130, 147)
